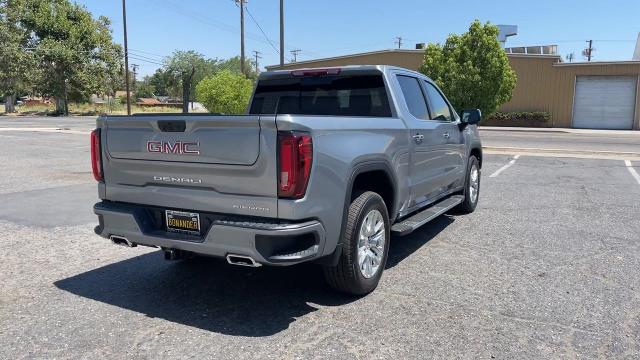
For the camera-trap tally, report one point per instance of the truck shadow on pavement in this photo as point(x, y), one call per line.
point(210, 294)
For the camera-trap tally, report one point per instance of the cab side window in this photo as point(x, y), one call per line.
point(439, 108)
point(413, 97)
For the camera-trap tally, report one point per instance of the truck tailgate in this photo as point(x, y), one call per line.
point(208, 163)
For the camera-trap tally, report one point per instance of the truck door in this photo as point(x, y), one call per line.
point(455, 154)
point(428, 144)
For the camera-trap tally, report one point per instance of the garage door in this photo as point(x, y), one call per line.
point(604, 102)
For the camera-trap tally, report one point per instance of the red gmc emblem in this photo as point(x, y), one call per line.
point(178, 147)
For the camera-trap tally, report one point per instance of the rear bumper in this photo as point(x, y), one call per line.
point(267, 242)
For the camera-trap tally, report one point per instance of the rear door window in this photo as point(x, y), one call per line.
point(413, 97)
point(355, 95)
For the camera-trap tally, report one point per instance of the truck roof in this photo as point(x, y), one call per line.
point(343, 69)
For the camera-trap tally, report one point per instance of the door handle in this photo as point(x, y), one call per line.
point(418, 138)
point(446, 135)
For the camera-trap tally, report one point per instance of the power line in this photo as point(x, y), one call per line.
point(146, 57)
point(262, 31)
point(148, 53)
point(207, 20)
point(147, 61)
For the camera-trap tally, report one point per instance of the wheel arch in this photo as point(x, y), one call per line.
point(382, 182)
point(477, 152)
point(362, 168)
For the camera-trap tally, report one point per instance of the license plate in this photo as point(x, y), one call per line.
point(183, 222)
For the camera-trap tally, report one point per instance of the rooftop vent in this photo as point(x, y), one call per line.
point(505, 32)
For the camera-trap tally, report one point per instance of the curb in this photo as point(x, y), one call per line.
point(563, 152)
point(528, 130)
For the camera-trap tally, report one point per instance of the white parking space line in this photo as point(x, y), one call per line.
point(509, 164)
point(633, 171)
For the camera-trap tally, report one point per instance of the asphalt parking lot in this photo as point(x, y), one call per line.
point(547, 267)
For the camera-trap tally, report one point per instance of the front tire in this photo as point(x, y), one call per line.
point(365, 247)
point(471, 190)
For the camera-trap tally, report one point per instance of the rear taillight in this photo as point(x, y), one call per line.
point(96, 155)
point(295, 156)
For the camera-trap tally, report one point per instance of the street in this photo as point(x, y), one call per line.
point(561, 139)
point(547, 267)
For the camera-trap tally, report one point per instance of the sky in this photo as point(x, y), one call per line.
point(327, 28)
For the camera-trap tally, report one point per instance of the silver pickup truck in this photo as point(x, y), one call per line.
point(324, 167)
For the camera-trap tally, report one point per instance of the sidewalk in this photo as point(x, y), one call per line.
point(561, 130)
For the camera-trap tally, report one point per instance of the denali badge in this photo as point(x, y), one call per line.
point(177, 180)
point(178, 147)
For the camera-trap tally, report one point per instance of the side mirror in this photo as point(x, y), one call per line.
point(470, 116)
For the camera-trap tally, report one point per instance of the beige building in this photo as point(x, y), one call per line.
point(602, 95)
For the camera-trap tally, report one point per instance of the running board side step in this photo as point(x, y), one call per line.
point(410, 224)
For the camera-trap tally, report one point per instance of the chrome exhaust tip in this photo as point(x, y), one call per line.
point(242, 260)
point(121, 240)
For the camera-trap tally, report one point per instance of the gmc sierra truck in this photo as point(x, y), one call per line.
point(324, 167)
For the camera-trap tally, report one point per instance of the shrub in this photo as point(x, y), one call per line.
point(524, 118)
point(225, 92)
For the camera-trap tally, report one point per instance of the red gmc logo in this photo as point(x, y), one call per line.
point(178, 147)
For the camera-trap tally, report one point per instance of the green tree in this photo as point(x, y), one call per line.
point(472, 69)
point(76, 53)
point(225, 92)
point(144, 89)
point(189, 68)
point(17, 66)
point(233, 65)
point(165, 83)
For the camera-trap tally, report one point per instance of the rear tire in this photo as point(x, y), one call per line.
point(471, 190)
point(365, 247)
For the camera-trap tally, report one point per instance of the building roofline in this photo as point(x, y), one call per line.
point(347, 56)
point(544, 56)
point(594, 63)
point(410, 51)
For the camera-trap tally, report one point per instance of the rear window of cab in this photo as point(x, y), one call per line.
point(339, 95)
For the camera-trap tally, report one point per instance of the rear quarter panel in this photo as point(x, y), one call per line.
point(340, 144)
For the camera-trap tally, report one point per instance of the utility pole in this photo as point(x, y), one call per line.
point(281, 34)
point(398, 41)
point(589, 50)
point(256, 54)
point(295, 54)
point(126, 56)
point(135, 72)
point(570, 57)
point(241, 3)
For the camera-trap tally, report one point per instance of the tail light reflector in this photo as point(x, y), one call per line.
point(96, 155)
point(295, 157)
